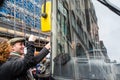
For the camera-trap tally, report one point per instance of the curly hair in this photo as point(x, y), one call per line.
point(4, 49)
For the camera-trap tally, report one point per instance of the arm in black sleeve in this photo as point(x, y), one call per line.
point(28, 59)
point(41, 55)
point(30, 49)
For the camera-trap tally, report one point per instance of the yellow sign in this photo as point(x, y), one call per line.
point(46, 21)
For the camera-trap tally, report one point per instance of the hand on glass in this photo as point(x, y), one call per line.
point(48, 46)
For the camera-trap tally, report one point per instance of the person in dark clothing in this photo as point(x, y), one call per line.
point(17, 66)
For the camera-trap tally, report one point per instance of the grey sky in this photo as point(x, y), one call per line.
point(109, 28)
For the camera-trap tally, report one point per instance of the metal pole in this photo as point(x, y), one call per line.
point(14, 18)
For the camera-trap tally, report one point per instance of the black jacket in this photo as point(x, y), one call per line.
point(17, 69)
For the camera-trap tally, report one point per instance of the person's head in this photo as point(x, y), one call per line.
point(17, 44)
point(4, 49)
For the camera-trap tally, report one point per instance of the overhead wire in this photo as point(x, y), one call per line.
point(110, 6)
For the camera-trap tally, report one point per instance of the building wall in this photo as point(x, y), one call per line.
point(28, 11)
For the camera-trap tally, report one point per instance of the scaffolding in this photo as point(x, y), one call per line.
point(22, 18)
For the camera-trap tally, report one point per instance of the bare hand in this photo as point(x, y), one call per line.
point(48, 46)
point(32, 38)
